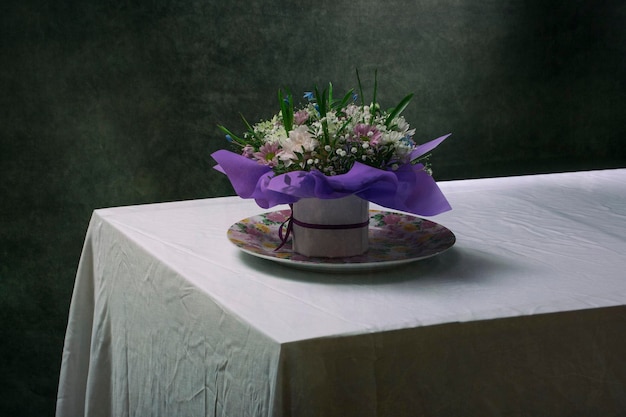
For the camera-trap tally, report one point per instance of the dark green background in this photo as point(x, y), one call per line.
point(115, 103)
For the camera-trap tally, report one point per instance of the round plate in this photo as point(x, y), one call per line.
point(394, 239)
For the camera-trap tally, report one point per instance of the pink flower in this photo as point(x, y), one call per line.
point(248, 151)
point(391, 219)
point(252, 230)
point(277, 216)
point(268, 154)
point(367, 133)
point(301, 116)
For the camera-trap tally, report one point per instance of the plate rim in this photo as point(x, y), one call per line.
point(329, 265)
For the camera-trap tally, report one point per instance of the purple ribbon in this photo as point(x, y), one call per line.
point(329, 226)
point(410, 188)
point(291, 221)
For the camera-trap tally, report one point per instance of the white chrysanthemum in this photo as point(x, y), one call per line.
point(401, 123)
point(299, 141)
point(392, 137)
point(403, 127)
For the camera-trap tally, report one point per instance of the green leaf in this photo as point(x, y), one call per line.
point(330, 95)
point(375, 89)
point(322, 100)
point(250, 128)
point(399, 109)
point(342, 128)
point(344, 101)
point(236, 138)
point(360, 88)
point(286, 109)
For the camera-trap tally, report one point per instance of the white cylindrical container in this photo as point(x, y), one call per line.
point(331, 228)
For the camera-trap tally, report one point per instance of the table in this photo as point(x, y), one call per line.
point(525, 315)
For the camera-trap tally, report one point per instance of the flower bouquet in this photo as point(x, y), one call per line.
point(332, 148)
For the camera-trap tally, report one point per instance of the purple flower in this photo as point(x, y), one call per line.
point(268, 154)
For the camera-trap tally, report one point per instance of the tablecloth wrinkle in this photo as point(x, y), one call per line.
point(521, 317)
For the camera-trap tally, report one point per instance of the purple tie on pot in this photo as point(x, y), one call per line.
point(287, 225)
point(409, 188)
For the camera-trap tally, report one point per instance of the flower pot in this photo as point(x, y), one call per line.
point(330, 228)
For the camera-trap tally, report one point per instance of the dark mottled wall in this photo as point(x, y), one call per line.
point(109, 103)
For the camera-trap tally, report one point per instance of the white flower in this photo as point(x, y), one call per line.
point(352, 110)
point(299, 141)
point(392, 137)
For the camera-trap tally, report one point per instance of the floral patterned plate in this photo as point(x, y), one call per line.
point(394, 239)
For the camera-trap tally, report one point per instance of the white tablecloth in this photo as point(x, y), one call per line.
point(525, 315)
